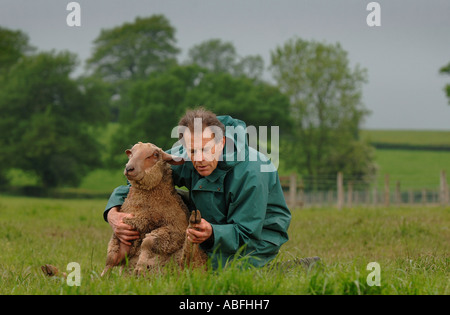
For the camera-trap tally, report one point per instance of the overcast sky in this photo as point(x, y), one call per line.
point(402, 56)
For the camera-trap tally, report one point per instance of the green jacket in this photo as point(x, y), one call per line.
point(243, 205)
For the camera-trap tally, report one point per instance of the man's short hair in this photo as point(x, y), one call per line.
point(208, 119)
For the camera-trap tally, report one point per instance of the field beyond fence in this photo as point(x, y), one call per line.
point(349, 193)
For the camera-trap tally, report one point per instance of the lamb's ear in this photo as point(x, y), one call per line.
point(128, 152)
point(172, 159)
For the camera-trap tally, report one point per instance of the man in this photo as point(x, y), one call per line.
point(243, 208)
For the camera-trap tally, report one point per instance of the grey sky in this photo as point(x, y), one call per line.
point(403, 55)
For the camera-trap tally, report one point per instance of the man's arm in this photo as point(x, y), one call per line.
point(124, 232)
point(116, 199)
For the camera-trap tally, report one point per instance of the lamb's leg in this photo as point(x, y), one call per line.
point(192, 255)
point(116, 253)
point(147, 255)
point(158, 246)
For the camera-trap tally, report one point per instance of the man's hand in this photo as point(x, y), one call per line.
point(199, 232)
point(124, 232)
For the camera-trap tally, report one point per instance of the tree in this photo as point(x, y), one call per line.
point(134, 50)
point(446, 70)
point(156, 104)
point(221, 57)
point(326, 107)
point(48, 118)
point(13, 46)
point(131, 52)
point(256, 103)
point(214, 55)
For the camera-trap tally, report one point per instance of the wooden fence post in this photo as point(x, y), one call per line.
point(292, 190)
point(398, 196)
point(350, 194)
point(340, 190)
point(301, 193)
point(375, 195)
point(387, 197)
point(443, 194)
point(410, 197)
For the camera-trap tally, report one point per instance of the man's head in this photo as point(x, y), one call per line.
point(203, 136)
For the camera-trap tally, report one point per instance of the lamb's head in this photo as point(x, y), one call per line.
point(147, 165)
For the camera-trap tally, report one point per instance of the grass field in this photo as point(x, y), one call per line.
point(412, 137)
point(414, 169)
point(411, 246)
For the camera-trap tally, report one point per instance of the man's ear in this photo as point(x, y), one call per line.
point(172, 159)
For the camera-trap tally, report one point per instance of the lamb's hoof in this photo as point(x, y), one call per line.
point(140, 270)
point(196, 217)
point(49, 270)
point(105, 272)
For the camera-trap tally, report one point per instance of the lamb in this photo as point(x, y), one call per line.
point(159, 215)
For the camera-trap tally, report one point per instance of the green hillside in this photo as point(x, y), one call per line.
point(408, 160)
point(411, 137)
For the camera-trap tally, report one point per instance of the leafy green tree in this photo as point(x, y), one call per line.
point(157, 104)
point(48, 118)
point(446, 70)
point(326, 108)
point(214, 55)
point(221, 57)
point(131, 52)
point(256, 103)
point(251, 67)
point(13, 46)
point(134, 50)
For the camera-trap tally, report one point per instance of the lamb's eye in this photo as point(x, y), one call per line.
point(156, 154)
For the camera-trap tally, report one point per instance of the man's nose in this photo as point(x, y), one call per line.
point(198, 156)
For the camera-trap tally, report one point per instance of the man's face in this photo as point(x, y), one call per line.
point(203, 150)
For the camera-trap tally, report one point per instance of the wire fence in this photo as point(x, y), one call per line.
point(340, 192)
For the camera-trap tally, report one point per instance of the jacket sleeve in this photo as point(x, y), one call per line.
point(246, 214)
point(117, 198)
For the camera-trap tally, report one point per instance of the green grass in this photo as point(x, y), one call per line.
point(103, 181)
point(412, 137)
point(410, 244)
point(414, 169)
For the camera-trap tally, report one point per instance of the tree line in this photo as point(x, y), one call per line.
point(51, 120)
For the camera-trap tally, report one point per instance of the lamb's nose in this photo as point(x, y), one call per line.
point(129, 169)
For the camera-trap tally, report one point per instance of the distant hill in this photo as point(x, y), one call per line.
point(423, 140)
